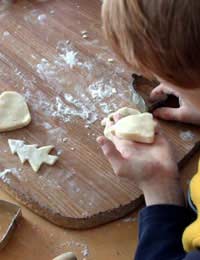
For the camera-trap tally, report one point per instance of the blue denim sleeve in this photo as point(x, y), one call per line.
point(160, 233)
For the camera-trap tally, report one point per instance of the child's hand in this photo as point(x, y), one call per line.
point(153, 167)
point(189, 110)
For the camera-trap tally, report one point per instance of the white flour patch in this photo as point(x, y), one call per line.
point(45, 182)
point(6, 34)
point(58, 70)
point(18, 78)
point(42, 18)
point(36, 17)
point(46, 125)
point(83, 108)
point(100, 89)
point(56, 135)
point(108, 108)
point(61, 110)
point(69, 107)
point(5, 172)
point(74, 245)
point(52, 11)
point(86, 99)
point(70, 58)
point(85, 251)
point(187, 136)
point(27, 83)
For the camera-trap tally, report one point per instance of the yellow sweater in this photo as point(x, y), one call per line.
point(191, 235)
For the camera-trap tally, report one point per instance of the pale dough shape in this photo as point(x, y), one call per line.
point(14, 112)
point(35, 156)
point(66, 256)
point(125, 111)
point(138, 127)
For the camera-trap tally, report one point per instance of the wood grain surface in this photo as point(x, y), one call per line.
point(70, 86)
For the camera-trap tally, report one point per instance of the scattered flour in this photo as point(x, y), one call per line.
point(89, 97)
point(42, 18)
point(70, 58)
point(52, 11)
point(187, 136)
point(46, 125)
point(36, 17)
point(66, 112)
point(108, 108)
point(100, 89)
point(6, 34)
point(5, 172)
point(73, 245)
point(57, 72)
point(85, 251)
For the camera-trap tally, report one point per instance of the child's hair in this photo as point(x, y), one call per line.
point(156, 37)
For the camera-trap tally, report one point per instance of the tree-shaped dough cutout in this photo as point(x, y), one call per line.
point(31, 153)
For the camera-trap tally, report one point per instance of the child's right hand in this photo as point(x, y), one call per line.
point(153, 167)
point(189, 110)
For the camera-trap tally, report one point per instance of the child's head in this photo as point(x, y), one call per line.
point(156, 37)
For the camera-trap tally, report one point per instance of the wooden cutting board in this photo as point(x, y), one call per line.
point(69, 85)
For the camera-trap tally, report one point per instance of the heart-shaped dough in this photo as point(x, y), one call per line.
point(14, 112)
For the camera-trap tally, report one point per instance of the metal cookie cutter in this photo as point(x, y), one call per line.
point(9, 214)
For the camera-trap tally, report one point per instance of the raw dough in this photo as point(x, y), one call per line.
point(134, 126)
point(66, 256)
point(14, 112)
point(35, 156)
point(138, 128)
point(123, 112)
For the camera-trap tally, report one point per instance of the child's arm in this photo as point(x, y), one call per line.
point(189, 110)
point(154, 169)
point(160, 233)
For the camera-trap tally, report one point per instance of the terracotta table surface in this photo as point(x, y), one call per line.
point(35, 238)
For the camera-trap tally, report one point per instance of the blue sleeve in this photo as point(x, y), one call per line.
point(160, 233)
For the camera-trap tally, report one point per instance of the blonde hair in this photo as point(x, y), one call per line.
point(156, 37)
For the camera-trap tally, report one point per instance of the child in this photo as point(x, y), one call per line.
point(159, 39)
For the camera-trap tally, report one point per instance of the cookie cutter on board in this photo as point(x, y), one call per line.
point(143, 104)
point(14, 212)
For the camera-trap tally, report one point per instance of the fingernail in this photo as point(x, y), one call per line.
point(99, 140)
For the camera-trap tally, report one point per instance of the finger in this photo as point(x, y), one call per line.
point(158, 129)
point(168, 113)
point(117, 117)
point(160, 93)
point(111, 153)
point(126, 147)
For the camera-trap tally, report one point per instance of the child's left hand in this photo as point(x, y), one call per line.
point(189, 110)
